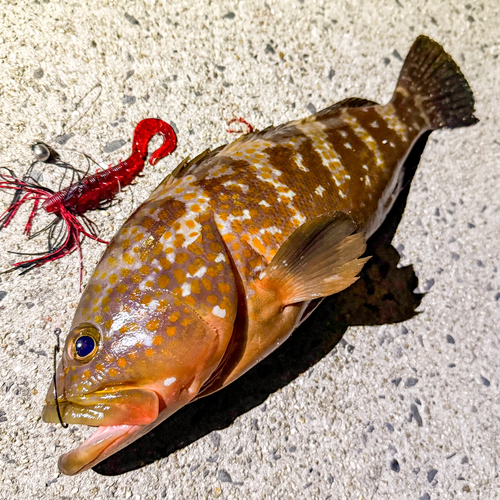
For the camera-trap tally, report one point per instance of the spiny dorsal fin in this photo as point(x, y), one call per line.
point(172, 176)
point(320, 258)
point(351, 102)
point(177, 171)
point(185, 166)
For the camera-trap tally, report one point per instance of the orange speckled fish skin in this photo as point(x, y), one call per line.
point(234, 248)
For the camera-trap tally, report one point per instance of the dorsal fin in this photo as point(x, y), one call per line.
point(351, 102)
point(186, 165)
point(320, 258)
point(177, 171)
point(287, 128)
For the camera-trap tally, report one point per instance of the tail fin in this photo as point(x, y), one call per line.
point(434, 80)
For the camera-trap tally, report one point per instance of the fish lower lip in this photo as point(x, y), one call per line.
point(107, 408)
point(94, 449)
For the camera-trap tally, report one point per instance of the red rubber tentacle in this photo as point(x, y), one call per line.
point(66, 248)
point(91, 233)
point(29, 224)
point(80, 255)
point(10, 213)
point(75, 225)
point(31, 192)
point(11, 182)
point(75, 230)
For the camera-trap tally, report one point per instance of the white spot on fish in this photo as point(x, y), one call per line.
point(299, 218)
point(220, 258)
point(190, 235)
point(343, 133)
point(289, 194)
point(186, 289)
point(217, 311)
point(347, 145)
point(374, 124)
point(272, 230)
point(123, 318)
point(170, 257)
point(319, 191)
point(384, 141)
point(264, 203)
point(365, 167)
point(169, 381)
point(200, 273)
point(300, 164)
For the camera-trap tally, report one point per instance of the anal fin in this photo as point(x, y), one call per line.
point(320, 258)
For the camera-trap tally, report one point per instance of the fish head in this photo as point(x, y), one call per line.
point(129, 361)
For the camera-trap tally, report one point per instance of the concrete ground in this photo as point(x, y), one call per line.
point(367, 400)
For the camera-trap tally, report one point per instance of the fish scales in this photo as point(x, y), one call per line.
point(263, 187)
point(234, 249)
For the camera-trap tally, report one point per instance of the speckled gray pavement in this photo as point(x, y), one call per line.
point(406, 410)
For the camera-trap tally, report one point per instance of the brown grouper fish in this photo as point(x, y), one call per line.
point(232, 251)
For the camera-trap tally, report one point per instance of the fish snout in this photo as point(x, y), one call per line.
point(116, 406)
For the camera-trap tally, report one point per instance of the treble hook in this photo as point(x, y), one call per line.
point(57, 332)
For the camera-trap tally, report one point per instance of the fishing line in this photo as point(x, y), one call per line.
point(57, 332)
point(77, 105)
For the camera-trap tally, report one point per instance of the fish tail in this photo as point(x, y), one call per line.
point(431, 82)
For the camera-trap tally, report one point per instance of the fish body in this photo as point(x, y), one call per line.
point(234, 249)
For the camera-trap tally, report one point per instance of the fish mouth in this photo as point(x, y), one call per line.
point(122, 414)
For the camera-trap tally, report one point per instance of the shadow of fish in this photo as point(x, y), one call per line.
point(234, 250)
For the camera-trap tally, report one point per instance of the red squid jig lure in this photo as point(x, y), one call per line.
point(90, 192)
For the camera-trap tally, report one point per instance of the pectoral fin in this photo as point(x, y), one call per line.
point(320, 258)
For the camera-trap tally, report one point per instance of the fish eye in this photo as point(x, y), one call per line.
point(83, 343)
point(84, 346)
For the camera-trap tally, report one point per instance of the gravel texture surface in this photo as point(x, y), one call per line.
point(367, 400)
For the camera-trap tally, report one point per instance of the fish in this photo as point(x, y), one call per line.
point(233, 250)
